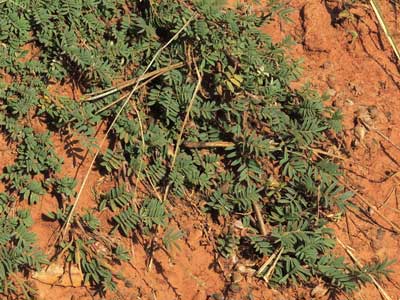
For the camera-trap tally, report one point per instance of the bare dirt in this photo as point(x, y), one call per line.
point(351, 60)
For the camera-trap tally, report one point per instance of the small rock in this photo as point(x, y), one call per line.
point(373, 111)
point(326, 65)
point(241, 268)
point(55, 274)
point(331, 81)
point(363, 115)
point(238, 224)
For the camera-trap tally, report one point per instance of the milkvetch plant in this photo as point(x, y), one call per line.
point(238, 136)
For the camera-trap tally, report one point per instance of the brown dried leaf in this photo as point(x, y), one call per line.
point(55, 274)
point(319, 291)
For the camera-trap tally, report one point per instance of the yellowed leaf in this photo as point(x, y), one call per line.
point(234, 81)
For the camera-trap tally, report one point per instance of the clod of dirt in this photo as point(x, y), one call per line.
point(355, 89)
point(319, 291)
point(365, 119)
point(316, 18)
point(55, 274)
point(364, 116)
point(373, 112)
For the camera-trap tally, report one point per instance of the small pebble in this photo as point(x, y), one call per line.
point(326, 65)
point(373, 111)
point(331, 81)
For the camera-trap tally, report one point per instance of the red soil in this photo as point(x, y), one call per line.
point(357, 72)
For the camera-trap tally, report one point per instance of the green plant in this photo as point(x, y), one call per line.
point(17, 249)
point(170, 239)
point(223, 123)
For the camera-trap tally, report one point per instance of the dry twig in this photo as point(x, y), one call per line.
point(185, 120)
point(151, 75)
point(381, 21)
point(217, 144)
point(68, 221)
point(260, 220)
point(395, 227)
point(274, 258)
point(349, 251)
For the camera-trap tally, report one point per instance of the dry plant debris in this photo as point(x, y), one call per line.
point(195, 99)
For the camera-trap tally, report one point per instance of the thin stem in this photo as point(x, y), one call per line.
point(381, 21)
point(260, 220)
point(358, 264)
point(106, 92)
point(68, 221)
point(179, 139)
point(217, 144)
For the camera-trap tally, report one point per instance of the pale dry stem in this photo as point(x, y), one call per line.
point(68, 221)
point(349, 251)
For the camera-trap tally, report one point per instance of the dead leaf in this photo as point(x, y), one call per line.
point(55, 274)
point(319, 291)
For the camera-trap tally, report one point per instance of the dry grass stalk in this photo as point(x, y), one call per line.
point(151, 75)
point(380, 134)
point(274, 258)
point(260, 220)
point(68, 221)
point(382, 22)
point(217, 144)
point(185, 120)
point(395, 227)
point(349, 251)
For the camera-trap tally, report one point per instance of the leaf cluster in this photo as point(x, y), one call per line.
point(268, 131)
